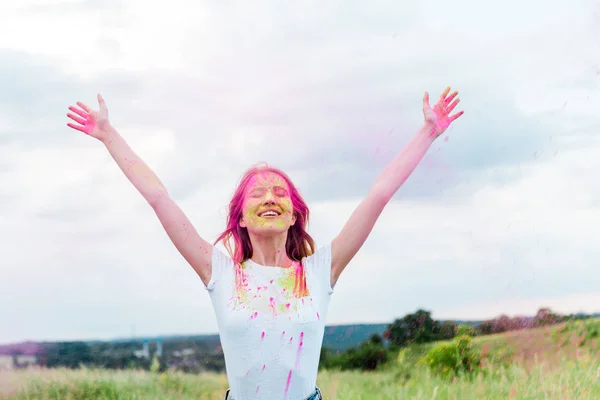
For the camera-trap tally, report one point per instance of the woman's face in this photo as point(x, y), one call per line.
point(267, 205)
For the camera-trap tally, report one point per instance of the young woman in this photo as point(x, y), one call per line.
point(271, 291)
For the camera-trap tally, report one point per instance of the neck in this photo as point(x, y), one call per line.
point(270, 250)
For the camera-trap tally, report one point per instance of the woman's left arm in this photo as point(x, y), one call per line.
point(437, 119)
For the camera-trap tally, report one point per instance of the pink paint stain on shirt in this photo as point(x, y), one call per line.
point(272, 304)
point(300, 289)
point(271, 281)
point(262, 336)
point(258, 387)
point(299, 353)
point(318, 316)
point(254, 315)
point(292, 338)
point(287, 384)
point(264, 366)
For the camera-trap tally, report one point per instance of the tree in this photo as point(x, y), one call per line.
point(417, 327)
point(448, 331)
point(376, 339)
point(545, 317)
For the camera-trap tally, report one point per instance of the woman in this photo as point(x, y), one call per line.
point(271, 291)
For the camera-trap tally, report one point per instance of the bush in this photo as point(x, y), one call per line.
point(465, 330)
point(453, 358)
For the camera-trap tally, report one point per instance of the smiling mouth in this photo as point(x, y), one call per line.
point(269, 214)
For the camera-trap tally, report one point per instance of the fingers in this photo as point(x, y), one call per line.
point(101, 101)
point(444, 94)
point(76, 118)
point(452, 96)
point(453, 105)
point(455, 116)
point(78, 111)
point(86, 108)
point(78, 127)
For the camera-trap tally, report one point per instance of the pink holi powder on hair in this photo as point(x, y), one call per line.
point(287, 384)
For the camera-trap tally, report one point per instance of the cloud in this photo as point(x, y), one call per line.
point(500, 215)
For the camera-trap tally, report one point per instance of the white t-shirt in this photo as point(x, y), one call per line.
point(271, 326)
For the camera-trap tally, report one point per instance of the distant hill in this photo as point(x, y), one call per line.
point(336, 337)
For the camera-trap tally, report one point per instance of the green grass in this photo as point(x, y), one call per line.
point(559, 363)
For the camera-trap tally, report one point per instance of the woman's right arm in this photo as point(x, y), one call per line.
point(196, 251)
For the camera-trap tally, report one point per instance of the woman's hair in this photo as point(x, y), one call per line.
point(299, 243)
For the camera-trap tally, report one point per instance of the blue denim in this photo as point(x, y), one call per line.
point(317, 395)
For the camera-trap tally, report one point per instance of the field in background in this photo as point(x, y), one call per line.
point(559, 362)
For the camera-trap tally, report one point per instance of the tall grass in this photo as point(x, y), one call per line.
point(561, 363)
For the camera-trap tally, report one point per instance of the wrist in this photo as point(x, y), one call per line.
point(427, 132)
point(109, 134)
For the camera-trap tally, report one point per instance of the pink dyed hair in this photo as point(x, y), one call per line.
point(299, 243)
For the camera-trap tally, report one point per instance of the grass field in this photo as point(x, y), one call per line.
point(561, 362)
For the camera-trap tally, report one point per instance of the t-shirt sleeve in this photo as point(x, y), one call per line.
point(220, 263)
point(318, 266)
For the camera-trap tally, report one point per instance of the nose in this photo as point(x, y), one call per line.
point(269, 198)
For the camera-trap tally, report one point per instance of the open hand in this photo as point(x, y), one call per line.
point(89, 121)
point(438, 118)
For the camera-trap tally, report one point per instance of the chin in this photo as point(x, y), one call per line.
point(269, 229)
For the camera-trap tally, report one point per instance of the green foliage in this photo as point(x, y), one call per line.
point(376, 339)
point(155, 366)
point(367, 357)
point(418, 328)
point(453, 358)
point(465, 330)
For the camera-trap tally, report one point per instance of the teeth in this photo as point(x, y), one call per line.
point(269, 214)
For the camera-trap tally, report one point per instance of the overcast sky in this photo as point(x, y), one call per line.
point(502, 216)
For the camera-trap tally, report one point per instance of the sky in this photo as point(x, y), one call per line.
point(502, 216)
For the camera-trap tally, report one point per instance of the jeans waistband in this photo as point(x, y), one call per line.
point(317, 395)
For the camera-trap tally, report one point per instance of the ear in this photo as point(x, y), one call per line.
point(242, 223)
point(293, 219)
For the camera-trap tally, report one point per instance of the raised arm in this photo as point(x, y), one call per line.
point(345, 246)
point(196, 251)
